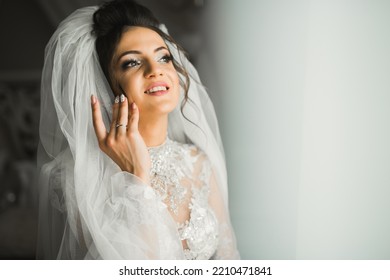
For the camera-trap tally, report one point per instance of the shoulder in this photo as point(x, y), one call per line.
point(196, 158)
point(190, 150)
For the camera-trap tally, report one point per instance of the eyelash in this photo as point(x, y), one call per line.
point(168, 58)
point(131, 63)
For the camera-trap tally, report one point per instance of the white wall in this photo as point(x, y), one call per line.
point(303, 94)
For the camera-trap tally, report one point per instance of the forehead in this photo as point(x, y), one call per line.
point(139, 38)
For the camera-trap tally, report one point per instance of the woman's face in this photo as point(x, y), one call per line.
point(144, 72)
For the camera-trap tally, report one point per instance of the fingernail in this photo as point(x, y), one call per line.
point(117, 99)
point(133, 106)
point(122, 97)
point(93, 99)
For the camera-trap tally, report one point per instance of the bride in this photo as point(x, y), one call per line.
point(130, 157)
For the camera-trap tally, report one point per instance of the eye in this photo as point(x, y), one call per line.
point(166, 58)
point(131, 63)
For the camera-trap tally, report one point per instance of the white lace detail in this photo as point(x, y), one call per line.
point(180, 175)
point(165, 176)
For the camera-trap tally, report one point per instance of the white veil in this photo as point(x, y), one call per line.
point(88, 207)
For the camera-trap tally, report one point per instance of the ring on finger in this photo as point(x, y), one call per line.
point(120, 124)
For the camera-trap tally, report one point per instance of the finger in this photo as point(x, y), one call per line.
point(115, 111)
point(133, 118)
point(122, 116)
point(98, 125)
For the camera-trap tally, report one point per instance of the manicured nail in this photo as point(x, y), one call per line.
point(122, 97)
point(117, 99)
point(93, 99)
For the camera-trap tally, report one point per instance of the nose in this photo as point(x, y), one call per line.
point(153, 69)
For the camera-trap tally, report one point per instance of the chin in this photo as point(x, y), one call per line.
point(163, 107)
point(164, 104)
point(167, 108)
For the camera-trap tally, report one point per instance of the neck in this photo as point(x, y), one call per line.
point(154, 131)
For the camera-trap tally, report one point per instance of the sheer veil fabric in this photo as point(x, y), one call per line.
point(89, 208)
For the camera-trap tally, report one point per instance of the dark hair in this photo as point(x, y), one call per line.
point(112, 19)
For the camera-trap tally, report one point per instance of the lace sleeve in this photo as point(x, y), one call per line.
point(103, 217)
point(133, 223)
point(227, 248)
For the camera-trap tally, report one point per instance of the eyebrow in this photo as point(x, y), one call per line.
point(139, 52)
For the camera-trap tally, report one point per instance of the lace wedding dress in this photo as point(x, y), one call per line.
point(182, 178)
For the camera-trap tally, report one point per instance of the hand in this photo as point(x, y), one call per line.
point(123, 143)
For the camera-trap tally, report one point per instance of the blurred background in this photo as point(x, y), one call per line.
point(302, 93)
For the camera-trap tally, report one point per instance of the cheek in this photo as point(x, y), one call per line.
point(131, 87)
point(175, 79)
